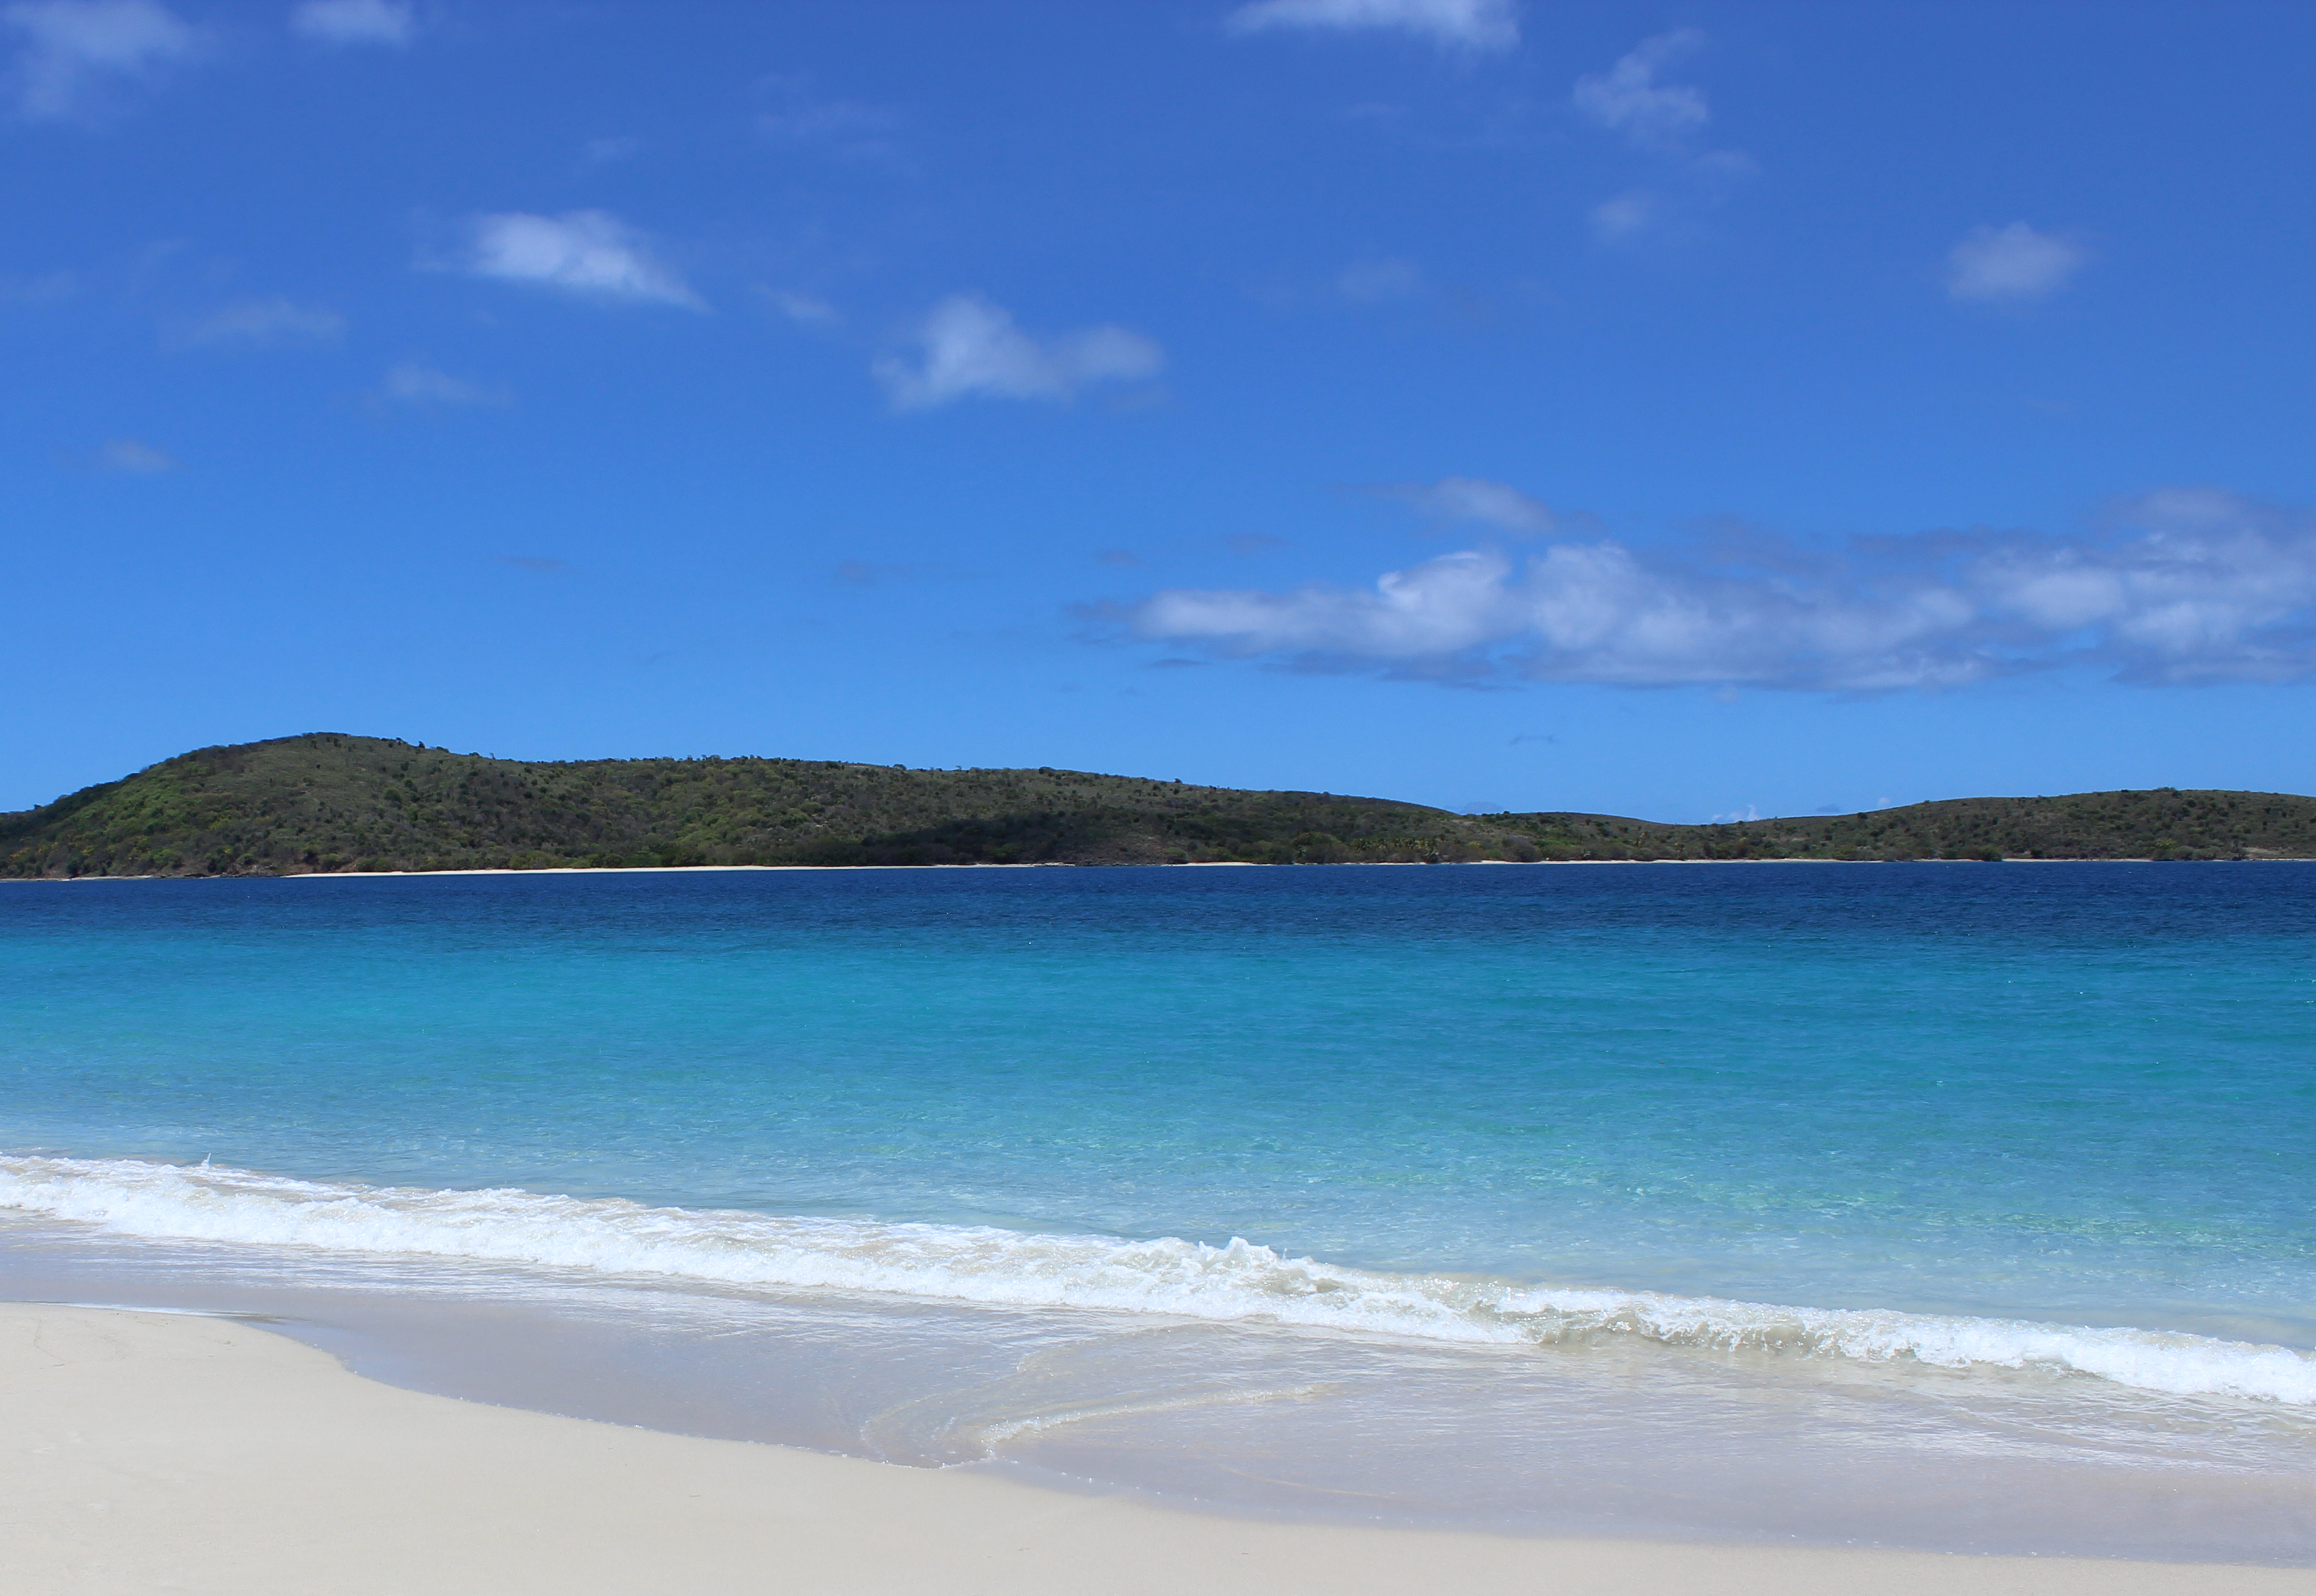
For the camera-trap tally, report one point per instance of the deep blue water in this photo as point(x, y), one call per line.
point(2083, 1093)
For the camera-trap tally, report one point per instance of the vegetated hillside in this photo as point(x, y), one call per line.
point(2161, 822)
point(332, 802)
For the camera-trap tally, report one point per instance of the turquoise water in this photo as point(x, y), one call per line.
point(2029, 1121)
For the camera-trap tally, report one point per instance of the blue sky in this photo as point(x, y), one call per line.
point(1668, 410)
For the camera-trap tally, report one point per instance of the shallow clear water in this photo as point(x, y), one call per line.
point(2014, 1145)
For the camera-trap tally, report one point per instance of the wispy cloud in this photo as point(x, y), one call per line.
point(803, 310)
point(50, 288)
point(2182, 586)
point(1627, 98)
point(134, 457)
point(269, 323)
point(1377, 281)
point(967, 347)
point(1631, 212)
point(861, 573)
point(1474, 499)
point(355, 22)
point(1662, 119)
point(74, 50)
point(794, 114)
point(415, 383)
point(1460, 25)
point(589, 253)
point(2012, 265)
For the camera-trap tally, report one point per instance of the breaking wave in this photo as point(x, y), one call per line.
point(1239, 1282)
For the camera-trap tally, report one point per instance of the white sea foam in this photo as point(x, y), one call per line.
point(1238, 1282)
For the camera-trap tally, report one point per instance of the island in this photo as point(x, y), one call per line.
point(332, 803)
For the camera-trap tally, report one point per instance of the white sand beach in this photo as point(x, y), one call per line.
point(145, 1452)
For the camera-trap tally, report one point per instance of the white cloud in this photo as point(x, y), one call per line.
point(968, 346)
point(73, 46)
point(134, 457)
point(1476, 499)
point(1466, 25)
point(1442, 607)
point(1627, 98)
point(589, 253)
point(2010, 265)
point(354, 21)
point(2187, 585)
point(414, 382)
point(272, 323)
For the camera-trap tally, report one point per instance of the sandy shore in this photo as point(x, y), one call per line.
point(144, 1452)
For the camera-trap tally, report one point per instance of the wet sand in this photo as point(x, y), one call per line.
point(155, 1452)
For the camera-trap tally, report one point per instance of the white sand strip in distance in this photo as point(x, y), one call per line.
point(143, 1453)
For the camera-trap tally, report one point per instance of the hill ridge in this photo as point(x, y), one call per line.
point(332, 801)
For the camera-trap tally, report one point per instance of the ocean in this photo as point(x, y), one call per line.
point(1959, 1206)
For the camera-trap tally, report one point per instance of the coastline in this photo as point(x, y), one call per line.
point(1206, 1407)
point(1057, 864)
point(903, 1176)
point(155, 1450)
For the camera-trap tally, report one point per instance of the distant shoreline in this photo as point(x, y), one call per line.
point(330, 805)
point(1203, 864)
point(335, 804)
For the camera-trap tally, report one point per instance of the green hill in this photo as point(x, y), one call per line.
point(2161, 822)
point(331, 802)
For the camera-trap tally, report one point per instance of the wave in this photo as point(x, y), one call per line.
point(1241, 1282)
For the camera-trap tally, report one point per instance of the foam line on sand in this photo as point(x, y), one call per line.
point(145, 1452)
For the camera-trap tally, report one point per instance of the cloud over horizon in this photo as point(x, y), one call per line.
point(2010, 265)
point(1465, 24)
point(73, 48)
point(2185, 585)
point(591, 254)
point(967, 347)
